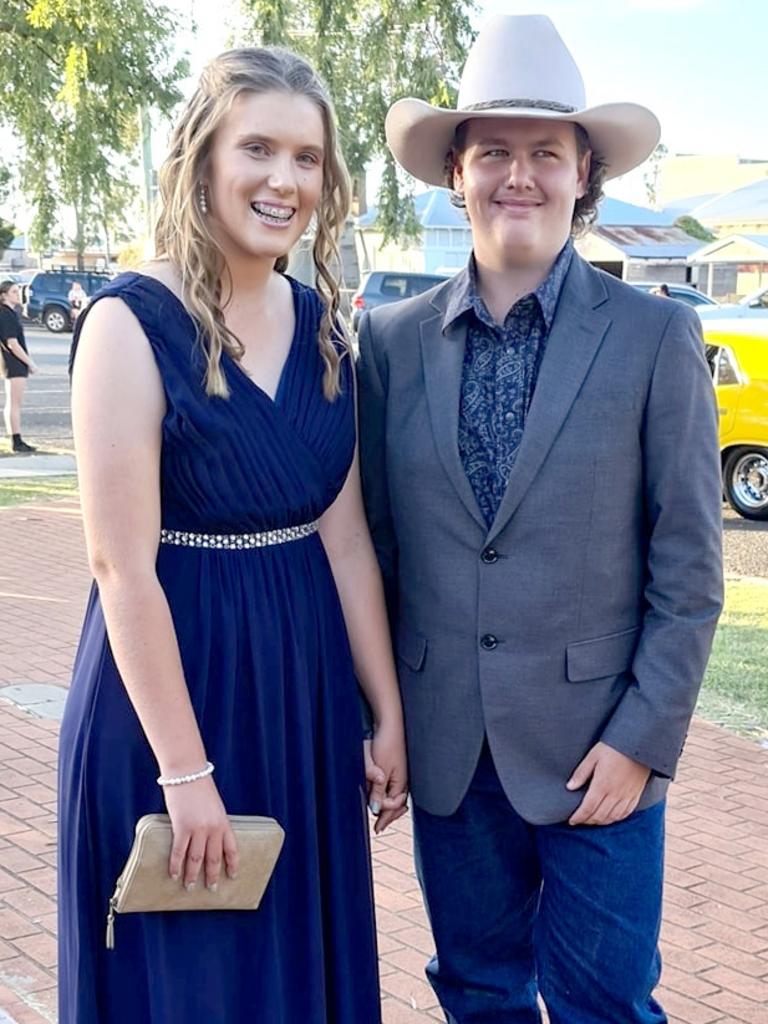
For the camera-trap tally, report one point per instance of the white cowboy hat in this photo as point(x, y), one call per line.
point(519, 67)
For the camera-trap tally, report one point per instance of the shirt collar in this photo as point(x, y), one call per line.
point(465, 296)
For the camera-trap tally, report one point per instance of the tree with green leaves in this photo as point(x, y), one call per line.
point(693, 228)
point(370, 54)
point(80, 69)
point(7, 234)
point(7, 230)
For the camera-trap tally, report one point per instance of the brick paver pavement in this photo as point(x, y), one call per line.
point(715, 937)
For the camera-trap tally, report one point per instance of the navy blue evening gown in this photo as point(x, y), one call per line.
point(269, 672)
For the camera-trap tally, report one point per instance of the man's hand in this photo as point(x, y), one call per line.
point(616, 785)
point(386, 773)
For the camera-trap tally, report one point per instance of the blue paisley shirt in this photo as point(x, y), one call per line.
point(501, 365)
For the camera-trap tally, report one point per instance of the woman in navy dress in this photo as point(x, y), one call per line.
point(237, 602)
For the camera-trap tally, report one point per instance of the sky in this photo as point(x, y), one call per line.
point(700, 65)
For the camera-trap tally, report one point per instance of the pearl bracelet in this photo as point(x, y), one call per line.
point(179, 780)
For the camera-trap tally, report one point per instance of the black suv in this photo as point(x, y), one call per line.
point(46, 295)
point(382, 286)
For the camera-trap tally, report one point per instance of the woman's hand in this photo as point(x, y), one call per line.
point(387, 774)
point(202, 836)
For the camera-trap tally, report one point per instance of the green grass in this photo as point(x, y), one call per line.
point(14, 491)
point(735, 690)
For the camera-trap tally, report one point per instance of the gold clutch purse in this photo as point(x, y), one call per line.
point(145, 885)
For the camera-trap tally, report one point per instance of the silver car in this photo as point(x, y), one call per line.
point(754, 305)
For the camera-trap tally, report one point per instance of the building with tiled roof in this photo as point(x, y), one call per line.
point(731, 267)
point(638, 244)
point(446, 240)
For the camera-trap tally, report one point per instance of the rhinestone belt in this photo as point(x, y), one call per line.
point(185, 539)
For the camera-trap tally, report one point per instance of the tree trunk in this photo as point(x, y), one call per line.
point(107, 253)
point(359, 203)
point(79, 237)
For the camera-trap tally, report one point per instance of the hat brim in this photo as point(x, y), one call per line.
point(623, 135)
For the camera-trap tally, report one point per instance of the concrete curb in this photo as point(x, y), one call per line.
point(18, 466)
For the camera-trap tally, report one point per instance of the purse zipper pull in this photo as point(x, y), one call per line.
point(111, 924)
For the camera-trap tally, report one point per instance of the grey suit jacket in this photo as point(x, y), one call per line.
point(600, 579)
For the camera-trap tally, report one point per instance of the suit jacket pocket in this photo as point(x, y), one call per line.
point(411, 648)
point(604, 656)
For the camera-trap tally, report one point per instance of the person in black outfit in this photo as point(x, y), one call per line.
point(17, 363)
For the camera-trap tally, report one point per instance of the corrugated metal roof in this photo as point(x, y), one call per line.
point(614, 212)
point(439, 213)
point(728, 249)
point(433, 210)
point(661, 252)
point(649, 242)
point(750, 202)
point(679, 207)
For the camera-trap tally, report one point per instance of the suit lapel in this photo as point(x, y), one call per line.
point(576, 335)
point(443, 360)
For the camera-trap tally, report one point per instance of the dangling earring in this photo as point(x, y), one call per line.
point(202, 198)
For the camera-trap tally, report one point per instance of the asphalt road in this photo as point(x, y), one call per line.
point(46, 422)
point(45, 415)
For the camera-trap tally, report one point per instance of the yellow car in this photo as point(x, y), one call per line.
point(737, 353)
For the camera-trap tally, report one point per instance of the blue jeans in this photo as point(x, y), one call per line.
point(516, 909)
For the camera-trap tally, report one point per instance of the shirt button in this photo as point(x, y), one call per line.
point(489, 556)
point(489, 642)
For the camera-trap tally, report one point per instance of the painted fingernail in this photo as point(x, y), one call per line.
point(375, 807)
point(189, 886)
point(213, 887)
point(175, 877)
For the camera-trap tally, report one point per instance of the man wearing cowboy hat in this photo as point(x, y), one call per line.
point(541, 471)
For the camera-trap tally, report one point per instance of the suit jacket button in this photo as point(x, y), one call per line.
point(489, 642)
point(489, 556)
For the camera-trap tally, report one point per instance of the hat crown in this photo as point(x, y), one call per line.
point(520, 57)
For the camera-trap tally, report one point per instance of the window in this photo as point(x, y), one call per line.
point(690, 297)
point(422, 284)
point(396, 286)
point(722, 365)
point(712, 351)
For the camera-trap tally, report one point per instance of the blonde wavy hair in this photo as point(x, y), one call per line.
point(183, 236)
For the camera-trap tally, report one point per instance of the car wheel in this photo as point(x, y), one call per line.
point(745, 477)
point(56, 319)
